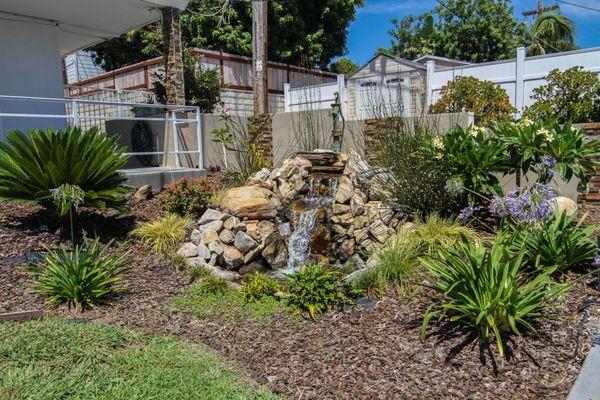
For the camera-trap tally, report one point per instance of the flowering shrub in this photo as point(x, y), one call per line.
point(187, 196)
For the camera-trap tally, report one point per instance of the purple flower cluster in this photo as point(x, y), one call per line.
point(467, 212)
point(545, 169)
point(596, 262)
point(531, 205)
point(454, 186)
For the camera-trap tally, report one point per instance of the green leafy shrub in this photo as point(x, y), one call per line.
point(256, 286)
point(412, 180)
point(186, 196)
point(486, 290)
point(84, 277)
point(33, 164)
point(488, 101)
point(316, 289)
point(559, 242)
point(472, 158)
point(526, 143)
point(570, 95)
point(203, 86)
point(164, 234)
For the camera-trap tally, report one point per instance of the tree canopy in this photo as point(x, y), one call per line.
point(469, 30)
point(551, 33)
point(302, 32)
point(344, 66)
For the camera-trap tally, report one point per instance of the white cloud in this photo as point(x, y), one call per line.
point(391, 7)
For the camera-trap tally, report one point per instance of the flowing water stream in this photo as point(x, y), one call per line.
point(305, 217)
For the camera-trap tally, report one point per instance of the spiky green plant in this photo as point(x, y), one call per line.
point(84, 277)
point(561, 241)
point(33, 164)
point(164, 234)
point(486, 289)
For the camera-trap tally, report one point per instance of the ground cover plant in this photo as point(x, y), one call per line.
point(33, 164)
point(50, 359)
point(83, 277)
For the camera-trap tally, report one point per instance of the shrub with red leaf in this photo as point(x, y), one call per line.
point(186, 197)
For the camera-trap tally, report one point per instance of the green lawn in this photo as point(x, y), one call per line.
point(51, 359)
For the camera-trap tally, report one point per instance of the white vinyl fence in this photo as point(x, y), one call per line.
point(315, 97)
point(519, 77)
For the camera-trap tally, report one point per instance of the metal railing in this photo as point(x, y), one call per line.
point(96, 113)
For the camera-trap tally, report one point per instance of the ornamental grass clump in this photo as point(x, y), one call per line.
point(487, 290)
point(86, 276)
point(164, 234)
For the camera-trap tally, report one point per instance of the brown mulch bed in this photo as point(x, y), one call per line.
point(369, 352)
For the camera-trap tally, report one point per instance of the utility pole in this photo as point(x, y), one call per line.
point(540, 10)
point(259, 57)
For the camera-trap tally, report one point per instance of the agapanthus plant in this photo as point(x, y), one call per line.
point(527, 206)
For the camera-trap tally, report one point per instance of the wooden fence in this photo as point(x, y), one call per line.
point(235, 71)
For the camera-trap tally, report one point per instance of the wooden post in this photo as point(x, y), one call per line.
point(259, 57)
point(173, 57)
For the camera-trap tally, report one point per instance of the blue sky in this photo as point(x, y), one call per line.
point(369, 31)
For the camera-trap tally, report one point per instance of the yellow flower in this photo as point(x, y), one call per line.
point(438, 143)
point(525, 122)
point(475, 130)
point(546, 133)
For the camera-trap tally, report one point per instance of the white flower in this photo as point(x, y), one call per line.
point(475, 130)
point(438, 143)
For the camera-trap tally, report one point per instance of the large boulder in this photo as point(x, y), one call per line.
point(275, 252)
point(250, 202)
point(565, 204)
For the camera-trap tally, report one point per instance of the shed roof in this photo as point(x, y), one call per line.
point(399, 60)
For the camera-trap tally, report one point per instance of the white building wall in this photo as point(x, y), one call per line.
point(519, 77)
point(80, 65)
point(30, 65)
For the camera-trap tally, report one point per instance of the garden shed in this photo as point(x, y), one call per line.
point(386, 85)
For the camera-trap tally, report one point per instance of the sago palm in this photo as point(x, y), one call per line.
point(33, 164)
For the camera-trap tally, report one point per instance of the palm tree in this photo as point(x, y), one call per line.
point(551, 33)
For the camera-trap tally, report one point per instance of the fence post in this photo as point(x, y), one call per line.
point(199, 139)
point(175, 138)
point(520, 81)
point(286, 97)
point(119, 100)
point(341, 82)
point(429, 84)
point(75, 112)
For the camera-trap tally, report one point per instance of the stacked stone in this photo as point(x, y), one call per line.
point(250, 230)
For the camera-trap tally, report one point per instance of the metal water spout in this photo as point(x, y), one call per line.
point(337, 133)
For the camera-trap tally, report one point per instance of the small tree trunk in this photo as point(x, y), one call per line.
point(173, 57)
